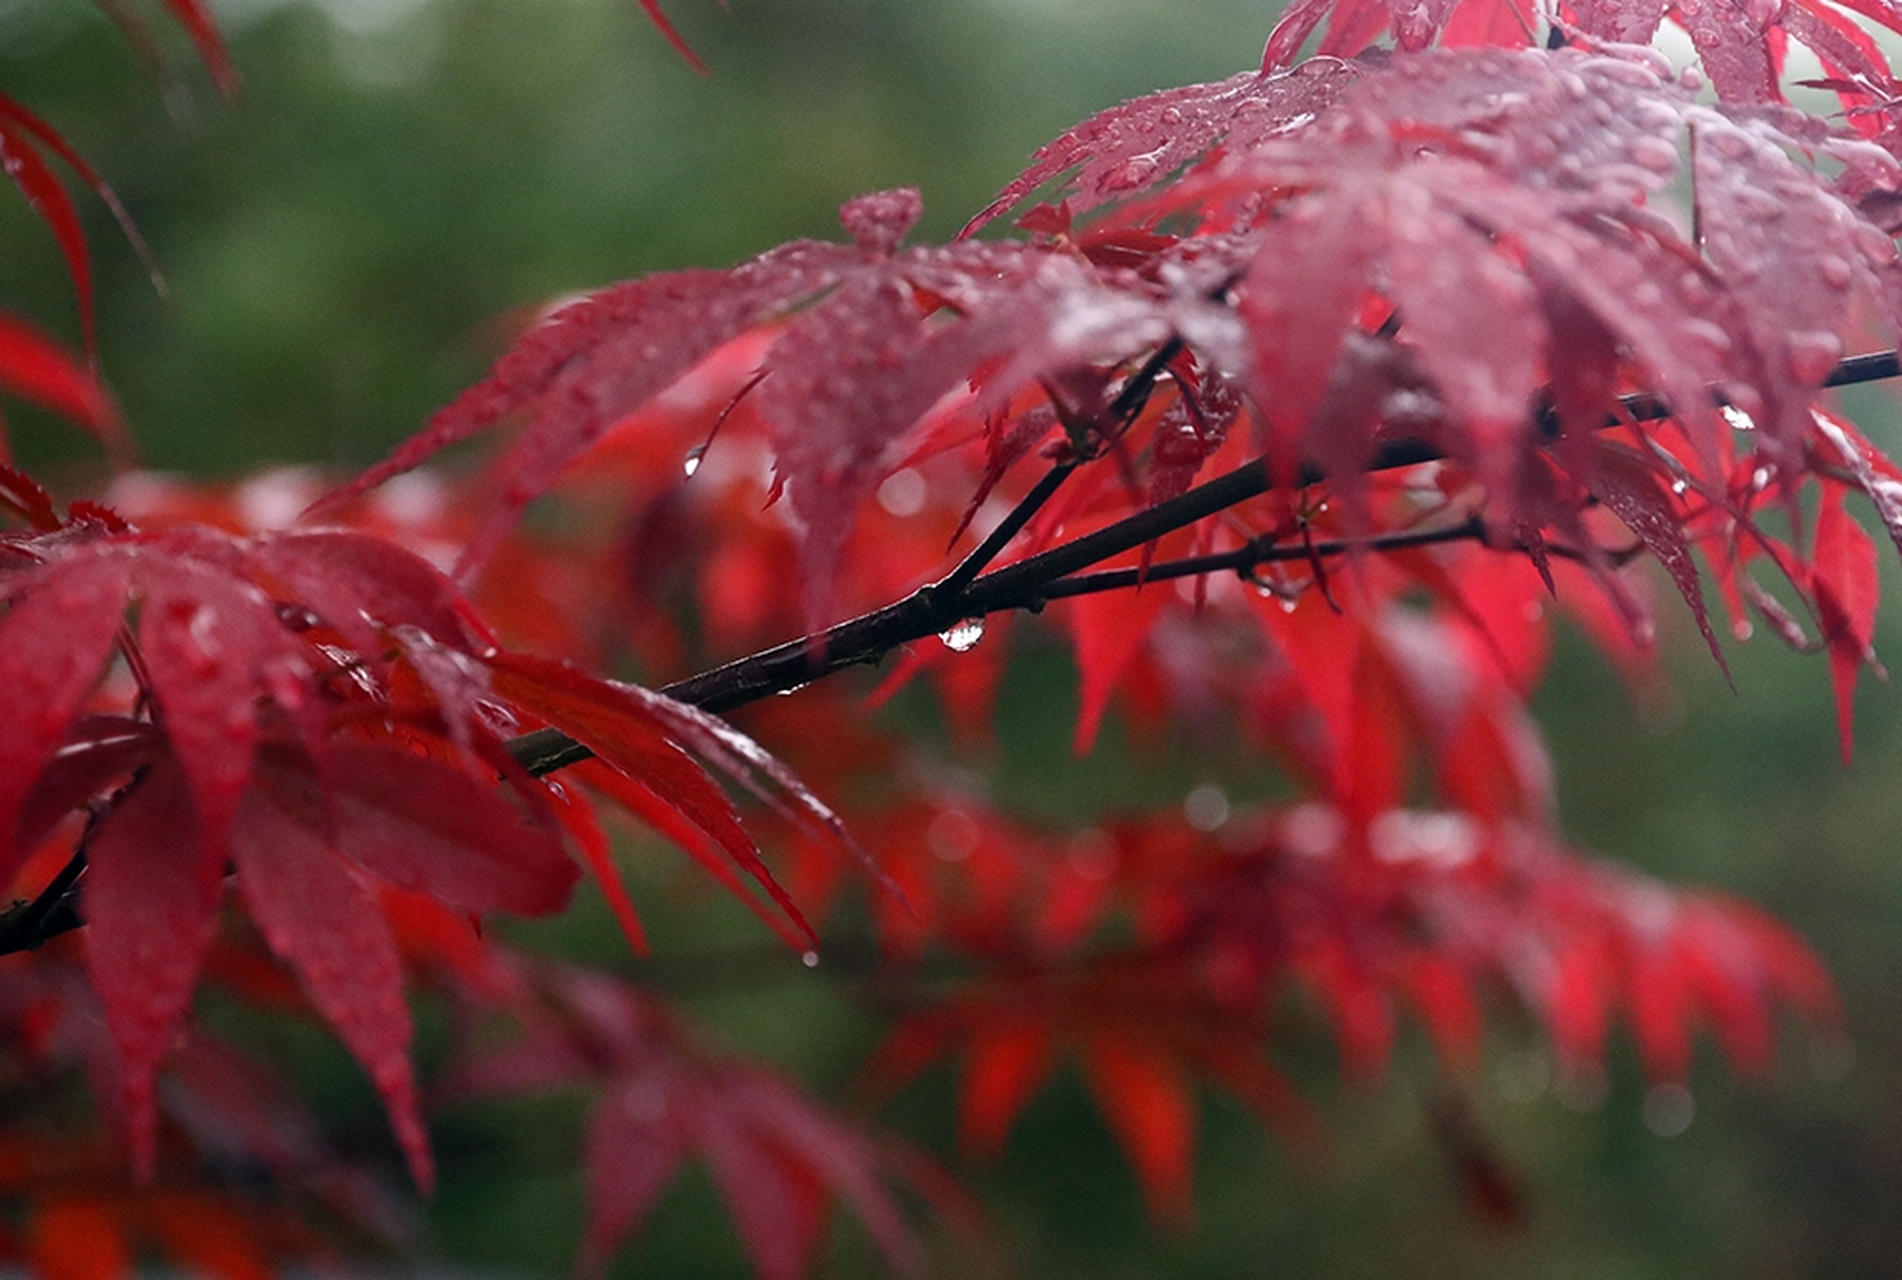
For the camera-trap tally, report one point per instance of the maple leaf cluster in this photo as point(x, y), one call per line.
point(1302, 406)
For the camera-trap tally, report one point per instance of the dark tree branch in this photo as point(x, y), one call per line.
point(1871, 367)
point(1113, 421)
point(968, 591)
point(28, 926)
point(1244, 558)
point(953, 584)
point(1029, 582)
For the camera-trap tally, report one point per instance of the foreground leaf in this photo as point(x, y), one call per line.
point(151, 906)
point(322, 920)
point(625, 726)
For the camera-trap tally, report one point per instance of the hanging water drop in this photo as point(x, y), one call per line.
point(1680, 486)
point(810, 959)
point(964, 636)
point(694, 455)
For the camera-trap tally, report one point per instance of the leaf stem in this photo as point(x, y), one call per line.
point(1243, 558)
point(1111, 421)
point(27, 926)
point(953, 584)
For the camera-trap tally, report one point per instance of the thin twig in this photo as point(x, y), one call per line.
point(28, 926)
point(953, 584)
point(1242, 559)
point(1114, 419)
point(870, 636)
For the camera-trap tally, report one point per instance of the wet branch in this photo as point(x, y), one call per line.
point(1064, 570)
point(970, 592)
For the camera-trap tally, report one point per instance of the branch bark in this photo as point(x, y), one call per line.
point(1050, 574)
point(971, 592)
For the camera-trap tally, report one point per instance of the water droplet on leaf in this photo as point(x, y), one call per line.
point(1812, 356)
point(694, 455)
point(879, 220)
point(1659, 155)
point(963, 637)
point(1877, 245)
point(1130, 174)
point(1730, 143)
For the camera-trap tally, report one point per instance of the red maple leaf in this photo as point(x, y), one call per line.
point(776, 1157)
point(861, 358)
point(322, 722)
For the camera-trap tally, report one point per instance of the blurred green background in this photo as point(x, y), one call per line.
point(339, 245)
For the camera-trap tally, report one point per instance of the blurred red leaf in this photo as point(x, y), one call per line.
point(75, 1237)
point(202, 27)
point(1148, 1105)
point(1843, 579)
point(47, 197)
point(35, 368)
point(660, 20)
point(775, 1156)
point(1005, 1063)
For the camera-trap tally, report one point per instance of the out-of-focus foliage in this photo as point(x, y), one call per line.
point(345, 244)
